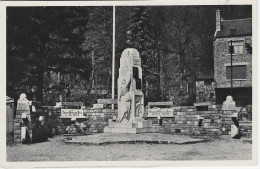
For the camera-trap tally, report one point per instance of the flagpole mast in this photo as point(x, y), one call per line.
point(113, 57)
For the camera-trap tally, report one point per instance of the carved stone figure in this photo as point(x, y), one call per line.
point(125, 98)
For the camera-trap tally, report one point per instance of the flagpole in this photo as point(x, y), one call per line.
point(113, 57)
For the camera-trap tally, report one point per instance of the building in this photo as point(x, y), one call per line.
point(238, 33)
point(9, 115)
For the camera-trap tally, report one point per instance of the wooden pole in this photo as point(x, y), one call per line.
point(113, 57)
point(231, 63)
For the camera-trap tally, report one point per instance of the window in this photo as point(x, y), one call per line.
point(238, 47)
point(239, 72)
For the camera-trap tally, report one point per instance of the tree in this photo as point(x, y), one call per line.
point(40, 39)
point(98, 41)
point(139, 36)
point(181, 38)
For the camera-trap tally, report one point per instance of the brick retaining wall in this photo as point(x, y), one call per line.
point(97, 119)
point(185, 120)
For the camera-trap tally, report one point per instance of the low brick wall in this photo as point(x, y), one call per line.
point(186, 120)
point(245, 129)
point(94, 122)
point(97, 119)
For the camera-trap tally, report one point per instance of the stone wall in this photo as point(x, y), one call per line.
point(186, 120)
point(97, 119)
point(245, 128)
point(52, 117)
point(94, 120)
point(222, 57)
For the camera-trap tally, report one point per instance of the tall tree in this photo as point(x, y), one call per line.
point(98, 41)
point(38, 39)
point(139, 36)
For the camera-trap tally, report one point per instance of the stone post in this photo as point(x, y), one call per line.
point(230, 111)
point(22, 112)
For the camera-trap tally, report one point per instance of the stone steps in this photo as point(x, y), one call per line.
point(131, 130)
point(137, 126)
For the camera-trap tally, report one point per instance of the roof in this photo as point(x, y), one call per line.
point(235, 27)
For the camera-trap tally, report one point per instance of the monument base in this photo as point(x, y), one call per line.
point(137, 126)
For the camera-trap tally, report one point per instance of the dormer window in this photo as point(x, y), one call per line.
point(238, 47)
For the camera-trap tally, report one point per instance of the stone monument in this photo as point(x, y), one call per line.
point(229, 104)
point(23, 117)
point(130, 97)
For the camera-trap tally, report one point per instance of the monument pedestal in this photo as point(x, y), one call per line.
point(137, 126)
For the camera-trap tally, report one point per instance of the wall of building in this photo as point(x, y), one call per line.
point(222, 58)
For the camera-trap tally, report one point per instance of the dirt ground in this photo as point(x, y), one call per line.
point(55, 149)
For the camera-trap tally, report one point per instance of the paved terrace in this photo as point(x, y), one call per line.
point(151, 138)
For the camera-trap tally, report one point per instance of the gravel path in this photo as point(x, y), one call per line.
point(56, 150)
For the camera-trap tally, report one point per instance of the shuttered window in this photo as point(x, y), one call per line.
point(239, 72)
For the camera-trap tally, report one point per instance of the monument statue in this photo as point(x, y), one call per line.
point(130, 86)
point(125, 99)
point(130, 98)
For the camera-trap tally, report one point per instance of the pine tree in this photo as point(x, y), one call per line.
point(139, 36)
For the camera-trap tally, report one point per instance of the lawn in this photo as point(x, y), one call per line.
point(223, 148)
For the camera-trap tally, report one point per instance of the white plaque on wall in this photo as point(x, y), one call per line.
point(72, 113)
point(160, 112)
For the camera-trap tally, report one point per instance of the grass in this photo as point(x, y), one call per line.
point(223, 148)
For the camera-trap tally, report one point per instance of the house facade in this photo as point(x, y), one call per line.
point(236, 33)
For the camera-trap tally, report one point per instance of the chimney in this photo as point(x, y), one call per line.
point(218, 20)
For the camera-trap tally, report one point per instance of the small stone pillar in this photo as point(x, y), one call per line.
point(229, 104)
point(22, 114)
point(229, 108)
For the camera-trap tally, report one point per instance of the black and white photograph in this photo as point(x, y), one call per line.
point(131, 82)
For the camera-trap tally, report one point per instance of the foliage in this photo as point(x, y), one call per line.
point(139, 37)
point(175, 42)
point(178, 44)
point(41, 40)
